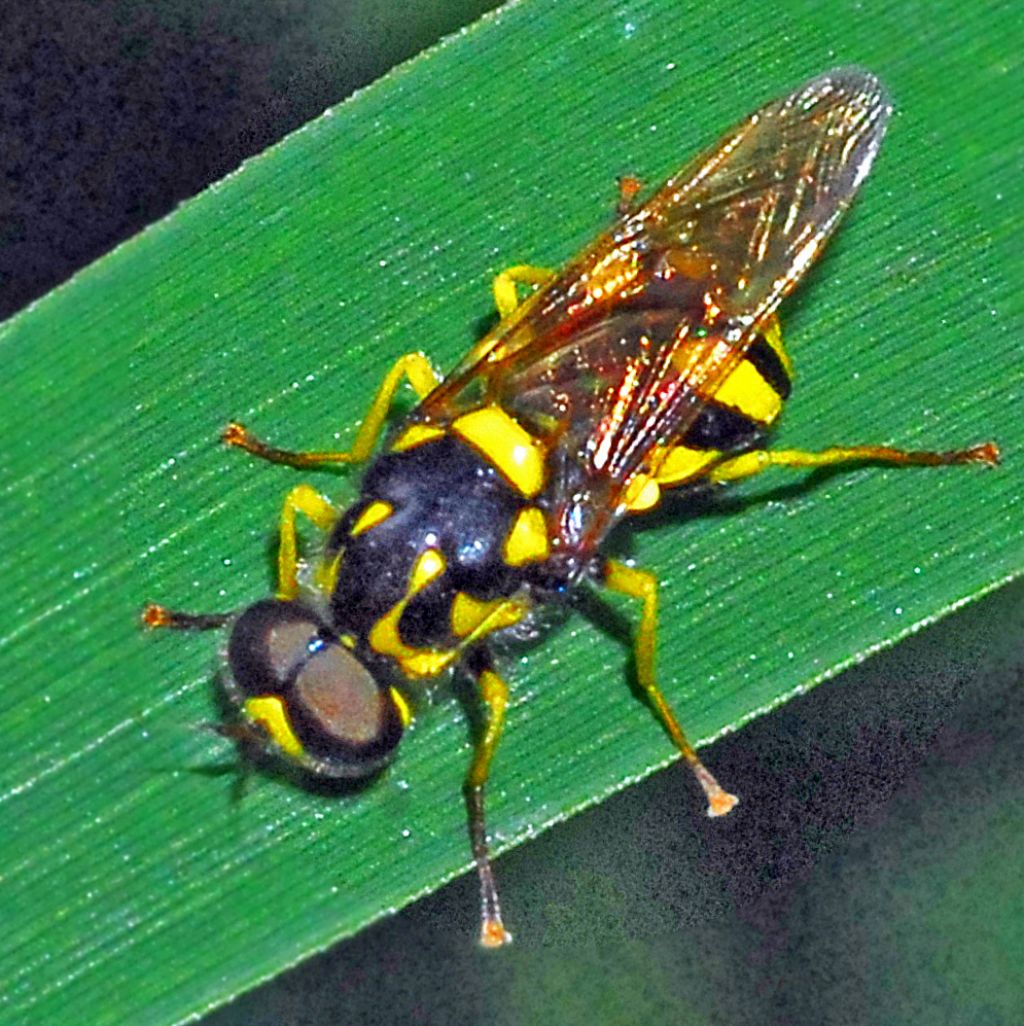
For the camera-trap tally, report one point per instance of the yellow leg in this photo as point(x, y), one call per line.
point(677, 466)
point(413, 366)
point(506, 296)
point(494, 693)
point(682, 465)
point(301, 499)
point(750, 463)
point(639, 584)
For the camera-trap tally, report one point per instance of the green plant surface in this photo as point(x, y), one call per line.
point(870, 875)
point(137, 887)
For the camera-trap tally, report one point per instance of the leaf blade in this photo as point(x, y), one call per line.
point(367, 233)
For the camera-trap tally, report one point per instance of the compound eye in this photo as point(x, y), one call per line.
point(345, 719)
point(313, 696)
point(268, 643)
point(339, 694)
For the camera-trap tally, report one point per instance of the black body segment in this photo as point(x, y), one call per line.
point(445, 497)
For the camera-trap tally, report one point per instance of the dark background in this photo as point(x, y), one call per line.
point(113, 112)
point(839, 892)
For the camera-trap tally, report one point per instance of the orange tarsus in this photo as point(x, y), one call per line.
point(493, 934)
point(987, 452)
point(629, 187)
point(234, 434)
point(155, 616)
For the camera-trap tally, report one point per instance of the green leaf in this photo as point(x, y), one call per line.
point(136, 888)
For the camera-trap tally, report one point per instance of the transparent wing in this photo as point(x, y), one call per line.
point(758, 207)
point(618, 354)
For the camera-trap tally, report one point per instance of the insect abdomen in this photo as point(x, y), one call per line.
point(749, 400)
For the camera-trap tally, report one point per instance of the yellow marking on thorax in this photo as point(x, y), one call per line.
point(473, 619)
point(268, 711)
point(416, 434)
point(527, 539)
point(376, 513)
point(430, 565)
point(507, 444)
point(385, 638)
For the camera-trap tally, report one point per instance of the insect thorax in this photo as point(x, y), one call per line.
point(433, 551)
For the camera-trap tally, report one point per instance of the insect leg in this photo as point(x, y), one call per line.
point(629, 189)
point(750, 463)
point(494, 693)
point(301, 499)
point(413, 366)
point(506, 297)
point(641, 585)
point(154, 615)
point(682, 465)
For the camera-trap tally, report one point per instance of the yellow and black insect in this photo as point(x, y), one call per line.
point(652, 361)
